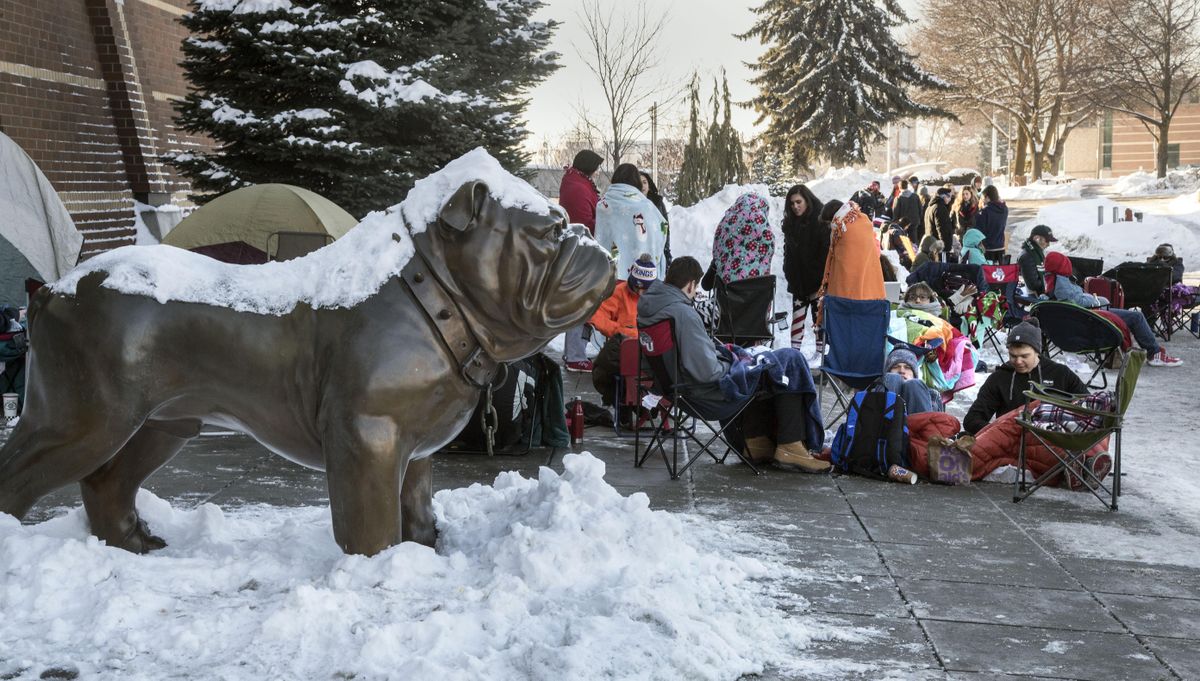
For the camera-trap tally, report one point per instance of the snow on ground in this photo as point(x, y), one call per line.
point(1144, 183)
point(1074, 224)
point(841, 183)
point(1039, 191)
point(533, 579)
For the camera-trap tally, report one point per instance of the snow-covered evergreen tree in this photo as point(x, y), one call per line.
point(355, 99)
point(712, 160)
point(832, 77)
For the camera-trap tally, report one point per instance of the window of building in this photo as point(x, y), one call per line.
point(1172, 155)
point(1106, 143)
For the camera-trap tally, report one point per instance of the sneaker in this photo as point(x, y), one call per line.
point(1162, 359)
point(580, 367)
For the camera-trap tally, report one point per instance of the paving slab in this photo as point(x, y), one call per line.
point(895, 649)
point(1151, 616)
point(795, 523)
point(1126, 577)
point(986, 533)
point(1016, 566)
point(1080, 655)
point(1011, 605)
point(858, 595)
point(1183, 656)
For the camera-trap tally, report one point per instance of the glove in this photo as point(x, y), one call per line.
point(961, 299)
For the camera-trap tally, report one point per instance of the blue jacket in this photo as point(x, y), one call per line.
point(787, 369)
point(1065, 289)
point(992, 221)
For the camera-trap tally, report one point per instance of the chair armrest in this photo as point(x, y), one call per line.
point(1068, 406)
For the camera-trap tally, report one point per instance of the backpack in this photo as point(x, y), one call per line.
point(1109, 288)
point(874, 436)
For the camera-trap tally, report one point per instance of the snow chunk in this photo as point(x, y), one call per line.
point(1149, 184)
point(1038, 191)
point(342, 274)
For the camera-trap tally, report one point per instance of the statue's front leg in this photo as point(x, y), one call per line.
point(416, 503)
point(364, 466)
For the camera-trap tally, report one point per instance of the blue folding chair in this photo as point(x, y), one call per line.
point(855, 334)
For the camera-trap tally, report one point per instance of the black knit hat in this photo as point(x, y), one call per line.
point(1028, 332)
point(587, 161)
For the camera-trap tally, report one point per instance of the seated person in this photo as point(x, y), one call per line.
point(1033, 258)
point(1165, 255)
point(900, 377)
point(931, 251)
point(1060, 286)
point(972, 247)
point(1004, 389)
point(920, 296)
point(617, 320)
point(783, 427)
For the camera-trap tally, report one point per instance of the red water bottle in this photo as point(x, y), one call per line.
point(575, 422)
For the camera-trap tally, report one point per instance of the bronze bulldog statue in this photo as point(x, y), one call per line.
point(120, 382)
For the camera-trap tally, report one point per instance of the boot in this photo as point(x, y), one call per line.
point(796, 454)
point(760, 449)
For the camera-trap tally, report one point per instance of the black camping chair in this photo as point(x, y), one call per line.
point(659, 347)
point(746, 310)
point(1082, 268)
point(1067, 327)
point(1145, 285)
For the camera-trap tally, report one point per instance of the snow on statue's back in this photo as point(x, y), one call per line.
point(341, 274)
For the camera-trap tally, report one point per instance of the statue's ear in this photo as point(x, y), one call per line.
point(464, 207)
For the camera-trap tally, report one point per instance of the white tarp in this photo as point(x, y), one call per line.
point(32, 217)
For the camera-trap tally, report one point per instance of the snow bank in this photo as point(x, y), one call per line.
point(841, 183)
point(341, 274)
point(1074, 223)
point(555, 578)
point(1148, 184)
point(1038, 191)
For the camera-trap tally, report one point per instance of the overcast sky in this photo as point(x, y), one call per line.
point(698, 37)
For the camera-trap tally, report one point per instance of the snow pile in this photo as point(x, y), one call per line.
point(841, 183)
point(1148, 184)
point(1074, 224)
point(555, 578)
point(341, 274)
point(1039, 191)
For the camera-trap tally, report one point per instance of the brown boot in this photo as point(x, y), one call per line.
point(796, 454)
point(760, 449)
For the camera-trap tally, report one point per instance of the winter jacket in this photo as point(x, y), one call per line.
point(805, 250)
point(698, 357)
point(743, 244)
point(1065, 289)
point(939, 222)
point(966, 216)
point(628, 223)
point(1176, 265)
point(908, 213)
point(1004, 390)
point(869, 202)
point(618, 313)
point(1033, 266)
point(972, 253)
point(992, 221)
point(927, 254)
point(577, 194)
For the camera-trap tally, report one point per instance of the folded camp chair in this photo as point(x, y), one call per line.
point(1067, 327)
point(855, 338)
point(746, 310)
point(659, 347)
point(1070, 449)
point(1144, 284)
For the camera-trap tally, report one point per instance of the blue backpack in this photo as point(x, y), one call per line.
point(874, 436)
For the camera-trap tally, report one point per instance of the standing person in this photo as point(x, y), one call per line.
point(1033, 259)
point(805, 248)
point(922, 192)
point(743, 244)
point(907, 212)
point(870, 201)
point(972, 250)
point(964, 209)
point(977, 186)
point(992, 221)
point(578, 195)
point(939, 219)
point(890, 203)
point(650, 189)
point(627, 222)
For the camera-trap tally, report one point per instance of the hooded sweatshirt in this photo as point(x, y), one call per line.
point(992, 221)
point(972, 252)
point(698, 356)
point(1005, 389)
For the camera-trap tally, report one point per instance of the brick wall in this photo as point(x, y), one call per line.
point(85, 89)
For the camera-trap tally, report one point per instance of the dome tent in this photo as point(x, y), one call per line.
point(38, 239)
point(237, 227)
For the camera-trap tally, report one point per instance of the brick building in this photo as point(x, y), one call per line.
point(1118, 144)
point(86, 88)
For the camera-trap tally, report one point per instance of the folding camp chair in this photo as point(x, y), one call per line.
point(1144, 285)
point(1070, 448)
point(1174, 309)
point(1082, 268)
point(291, 245)
point(1067, 327)
point(746, 309)
point(855, 333)
point(633, 382)
point(660, 349)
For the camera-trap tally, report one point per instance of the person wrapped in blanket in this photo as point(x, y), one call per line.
point(920, 321)
point(1059, 285)
point(900, 376)
point(784, 424)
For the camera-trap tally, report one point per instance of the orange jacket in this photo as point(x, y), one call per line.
point(618, 314)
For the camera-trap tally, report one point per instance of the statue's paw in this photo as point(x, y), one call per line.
point(141, 540)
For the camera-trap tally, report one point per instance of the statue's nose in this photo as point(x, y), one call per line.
point(577, 230)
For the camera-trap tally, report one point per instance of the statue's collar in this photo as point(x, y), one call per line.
point(476, 367)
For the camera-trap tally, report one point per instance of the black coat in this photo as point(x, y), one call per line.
point(939, 221)
point(907, 212)
point(870, 203)
point(1004, 391)
point(1033, 267)
point(805, 248)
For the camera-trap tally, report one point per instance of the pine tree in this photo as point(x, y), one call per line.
point(832, 77)
point(691, 182)
point(734, 160)
point(355, 99)
point(714, 150)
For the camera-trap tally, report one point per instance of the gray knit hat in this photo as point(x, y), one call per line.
point(1028, 332)
point(900, 356)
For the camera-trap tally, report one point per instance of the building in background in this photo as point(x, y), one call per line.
point(1117, 144)
point(86, 88)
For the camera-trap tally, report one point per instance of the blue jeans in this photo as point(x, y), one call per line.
point(575, 345)
point(1139, 328)
point(918, 397)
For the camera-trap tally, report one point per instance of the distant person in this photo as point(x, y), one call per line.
point(1033, 259)
point(743, 244)
point(870, 200)
point(908, 213)
point(993, 222)
point(650, 189)
point(578, 195)
point(1165, 255)
point(930, 251)
point(977, 186)
point(616, 320)
point(939, 219)
point(893, 194)
point(805, 248)
point(972, 247)
point(628, 222)
point(964, 209)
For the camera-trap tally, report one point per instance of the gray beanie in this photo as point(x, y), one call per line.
point(1028, 332)
point(900, 356)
